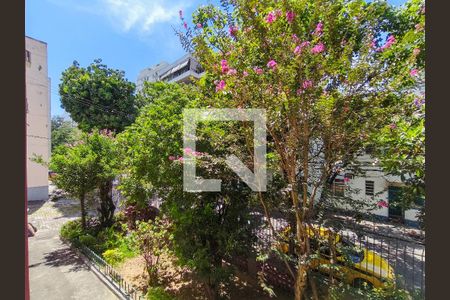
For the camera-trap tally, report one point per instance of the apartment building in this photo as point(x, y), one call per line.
point(184, 70)
point(38, 125)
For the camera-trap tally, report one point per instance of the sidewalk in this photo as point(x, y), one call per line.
point(56, 272)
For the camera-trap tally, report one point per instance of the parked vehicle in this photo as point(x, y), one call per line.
point(354, 264)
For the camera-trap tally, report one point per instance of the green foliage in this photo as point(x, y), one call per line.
point(153, 239)
point(207, 227)
point(71, 231)
point(113, 256)
point(63, 132)
point(93, 161)
point(98, 96)
point(329, 77)
point(158, 293)
point(344, 291)
point(113, 243)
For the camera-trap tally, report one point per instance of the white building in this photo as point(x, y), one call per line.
point(374, 186)
point(184, 70)
point(38, 117)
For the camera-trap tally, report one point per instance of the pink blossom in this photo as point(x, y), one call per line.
point(307, 84)
point(299, 91)
point(300, 47)
point(382, 203)
point(414, 72)
point(224, 65)
point(318, 48)
point(187, 150)
point(258, 70)
point(416, 51)
point(270, 17)
point(393, 126)
point(172, 157)
point(180, 158)
point(272, 64)
point(304, 44)
point(233, 30)
point(319, 29)
point(273, 15)
point(390, 40)
point(418, 27)
point(295, 38)
point(346, 179)
point(232, 72)
point(220, 85)
point(199, 25)
point(245, 73)
point(185, 25)
point(290, 15)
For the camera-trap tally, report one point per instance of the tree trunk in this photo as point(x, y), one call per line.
point(107, 206)
point(300, 281)
point(83, 211)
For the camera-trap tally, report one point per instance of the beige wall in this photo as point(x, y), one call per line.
point(38, 117)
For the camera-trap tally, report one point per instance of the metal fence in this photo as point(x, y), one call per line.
point(127, 290)
point(405, 257)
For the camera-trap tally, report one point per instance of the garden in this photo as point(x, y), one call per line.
point(333, 77)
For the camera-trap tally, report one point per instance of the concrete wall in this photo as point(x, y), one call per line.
point(38, 117)
point(381, 185)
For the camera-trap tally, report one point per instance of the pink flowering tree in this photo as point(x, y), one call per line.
point(401, 142)
point(328, 73)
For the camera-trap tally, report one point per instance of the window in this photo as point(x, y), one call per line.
point(27, 56)
point(369, 188)
point(338, 187)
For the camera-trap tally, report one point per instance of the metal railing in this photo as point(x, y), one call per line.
point(127, 290)
point(405, 257)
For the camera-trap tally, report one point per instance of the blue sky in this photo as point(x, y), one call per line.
point(127, 34)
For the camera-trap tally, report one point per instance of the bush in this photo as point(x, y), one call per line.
point(87, 240)
point(158, 293)
point(71, 231)
point(113, 256)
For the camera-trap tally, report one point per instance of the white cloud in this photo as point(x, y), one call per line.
point(140, 15)
point(131, 15)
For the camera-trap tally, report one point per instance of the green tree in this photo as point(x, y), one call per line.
point(98, 97)
point(400, 145)
point(107, 156)
point(81, 167)
point(328, 73)
point(76, 168)
point(206, 227)
point(63, 132)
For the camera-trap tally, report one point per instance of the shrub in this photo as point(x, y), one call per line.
point(158, 293)
point(113, 256)
point(87, 240)
point(71, 231)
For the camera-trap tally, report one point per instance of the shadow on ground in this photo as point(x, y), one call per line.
point(64, 257)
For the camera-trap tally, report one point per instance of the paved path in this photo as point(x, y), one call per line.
point(56, 272)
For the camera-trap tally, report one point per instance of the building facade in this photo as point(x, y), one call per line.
point(184, 70)
point(38, 124)
point(375, 188)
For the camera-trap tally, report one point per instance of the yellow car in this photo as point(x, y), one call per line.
point(355, 265)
